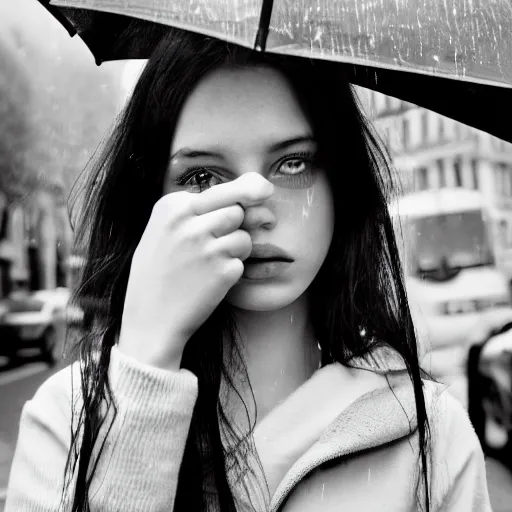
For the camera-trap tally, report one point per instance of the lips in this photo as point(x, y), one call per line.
point(261, 269)
point(265, 260)
point(264, 253)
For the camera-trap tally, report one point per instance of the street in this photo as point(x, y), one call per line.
point(448, 366)
point(17, 385)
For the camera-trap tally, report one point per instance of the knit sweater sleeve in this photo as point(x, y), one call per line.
point(139, 466)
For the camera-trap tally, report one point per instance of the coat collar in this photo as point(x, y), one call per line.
point(362, 425)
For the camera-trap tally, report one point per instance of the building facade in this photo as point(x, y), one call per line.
point(35, 244)
point(431, 151)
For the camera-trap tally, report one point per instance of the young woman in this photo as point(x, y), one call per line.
point(251, 345)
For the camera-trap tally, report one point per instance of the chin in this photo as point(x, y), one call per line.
point(263, 296)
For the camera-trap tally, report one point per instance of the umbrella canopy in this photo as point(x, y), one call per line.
point(453, 57)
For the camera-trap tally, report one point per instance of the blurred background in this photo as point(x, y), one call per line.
point(453, 222)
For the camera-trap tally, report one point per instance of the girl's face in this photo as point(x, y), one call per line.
point(248, 120)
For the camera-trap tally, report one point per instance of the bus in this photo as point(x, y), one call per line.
point(458, 294)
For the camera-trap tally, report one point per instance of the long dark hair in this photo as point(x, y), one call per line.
point(359, 297)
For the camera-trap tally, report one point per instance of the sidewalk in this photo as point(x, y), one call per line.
point(499, 481)
point(6, 455)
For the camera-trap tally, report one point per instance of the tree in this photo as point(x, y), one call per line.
point(16, 129)
point(74, 104)
point(65, 106)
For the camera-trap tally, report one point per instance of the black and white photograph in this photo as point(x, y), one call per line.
point(324, 324)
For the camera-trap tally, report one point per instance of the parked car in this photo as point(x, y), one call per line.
point(489, 372)
point(32, 320)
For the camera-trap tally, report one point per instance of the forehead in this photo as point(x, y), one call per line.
point(240, 108)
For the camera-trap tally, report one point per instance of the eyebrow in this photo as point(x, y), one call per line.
point(197, 153)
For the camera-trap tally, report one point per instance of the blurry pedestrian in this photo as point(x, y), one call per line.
point(256, 350)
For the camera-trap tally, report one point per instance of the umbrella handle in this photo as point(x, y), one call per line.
point(264, 24)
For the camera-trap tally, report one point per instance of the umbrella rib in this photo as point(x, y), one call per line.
point(262, 34)
point(59, 17)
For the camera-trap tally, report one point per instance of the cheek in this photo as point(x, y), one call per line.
point(308, 216)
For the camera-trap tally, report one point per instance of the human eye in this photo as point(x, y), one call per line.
point(196, 178)
point(295, 171)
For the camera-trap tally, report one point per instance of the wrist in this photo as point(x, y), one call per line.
point(150, 353)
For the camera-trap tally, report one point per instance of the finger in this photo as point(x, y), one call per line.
point(250, 189)
point(235, 245)
point(221, 222)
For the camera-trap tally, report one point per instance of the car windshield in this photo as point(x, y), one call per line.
point(454, 241)
point(23, 305)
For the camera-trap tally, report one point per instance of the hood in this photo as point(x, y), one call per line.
point(304, 431)
point(359, 426)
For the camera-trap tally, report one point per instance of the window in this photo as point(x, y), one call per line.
point(456, 130)
point(508, 182)
point(503, 231)
point(424, 126)
point(442, 173)
point(441, 128)
point(405, 132)
point(385, 135)
point(4, 223)
point(501, 179)
point(406, 183)
point(422, 178)
point(458, 172)
point(474, 173)
point(505, 178)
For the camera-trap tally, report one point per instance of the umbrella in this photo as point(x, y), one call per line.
point(453, 57)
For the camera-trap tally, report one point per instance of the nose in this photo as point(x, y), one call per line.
point(258, 217)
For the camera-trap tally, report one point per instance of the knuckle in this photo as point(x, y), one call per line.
point(211, 253)
point(245, 241)
point(164, 201)
point(192, 233)
point(246, 237)
point(158, 207)
point(236, 214)
point(173, 212)
point(183, 203)
point(233, 269)
point(227, 270)
point(175, 204)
